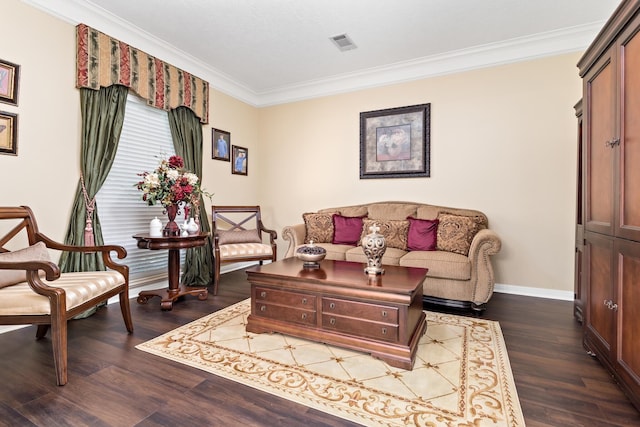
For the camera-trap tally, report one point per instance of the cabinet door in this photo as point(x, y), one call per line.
point(600, 321)
point(628, 313)
point(628, 207)
point(600, 133)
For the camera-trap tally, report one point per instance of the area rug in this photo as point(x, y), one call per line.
point(461, 376)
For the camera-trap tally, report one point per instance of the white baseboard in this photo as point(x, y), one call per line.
point(534, 292)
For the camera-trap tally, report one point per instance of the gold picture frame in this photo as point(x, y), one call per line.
point(8, 133)
point(9, 79)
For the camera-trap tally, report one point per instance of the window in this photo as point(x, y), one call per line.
point(145, 138)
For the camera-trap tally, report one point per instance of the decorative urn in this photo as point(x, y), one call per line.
point(374, 246)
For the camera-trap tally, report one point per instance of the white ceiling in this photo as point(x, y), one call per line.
point(271, 51)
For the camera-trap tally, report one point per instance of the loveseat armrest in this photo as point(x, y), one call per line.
point(485, 243)
point(295, 235)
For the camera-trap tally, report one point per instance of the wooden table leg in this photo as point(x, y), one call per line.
point(175, 289)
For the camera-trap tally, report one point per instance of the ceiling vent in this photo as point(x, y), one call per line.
point(343, 42)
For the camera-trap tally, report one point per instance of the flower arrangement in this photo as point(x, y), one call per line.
point(170, 184)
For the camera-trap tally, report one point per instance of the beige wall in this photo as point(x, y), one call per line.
point(502, 141)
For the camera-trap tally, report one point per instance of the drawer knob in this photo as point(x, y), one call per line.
point(304, 316)
point(332, 305)
point(384, 331)
point(332, 321)
point(384, 313)
point(263, 308)
point(304, 301)
point(263, 294)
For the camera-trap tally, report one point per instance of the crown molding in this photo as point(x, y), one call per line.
point(551, 43)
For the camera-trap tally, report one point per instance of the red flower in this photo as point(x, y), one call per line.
point(176, 162)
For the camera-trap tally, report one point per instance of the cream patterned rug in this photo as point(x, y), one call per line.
point(461, 376)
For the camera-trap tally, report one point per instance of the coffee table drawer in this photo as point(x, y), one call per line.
point(361, 328)
point(292, 299)
point(286, 314)
point(360, 310)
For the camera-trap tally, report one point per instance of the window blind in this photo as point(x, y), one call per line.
point(145, 139)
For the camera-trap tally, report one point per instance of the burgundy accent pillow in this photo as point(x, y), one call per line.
point(423, 234)
point(347, 229)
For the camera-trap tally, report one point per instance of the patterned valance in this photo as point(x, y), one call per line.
point(103, 61)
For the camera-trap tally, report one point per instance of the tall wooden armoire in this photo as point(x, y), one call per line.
point(610, 69)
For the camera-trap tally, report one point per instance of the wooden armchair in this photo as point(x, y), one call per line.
point(34, 291)
point(237, 237)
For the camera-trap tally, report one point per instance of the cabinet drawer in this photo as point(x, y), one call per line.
point(285, 314)
point(291, 299)
point(360, 328)
point(360, 310)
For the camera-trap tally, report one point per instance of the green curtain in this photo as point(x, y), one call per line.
point(102, 118)
point(186, 131)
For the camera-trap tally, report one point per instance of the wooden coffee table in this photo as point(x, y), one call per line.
point(339, 304)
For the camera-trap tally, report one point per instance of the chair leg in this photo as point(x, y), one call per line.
point(42, 331)
point(59, 344)
point(216, 279)
point(126, 311)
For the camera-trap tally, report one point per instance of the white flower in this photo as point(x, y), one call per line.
point(173, 174)
point(152, 180)
point(191, 177)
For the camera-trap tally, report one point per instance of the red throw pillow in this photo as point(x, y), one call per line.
point(347, 229)
point(423, 234)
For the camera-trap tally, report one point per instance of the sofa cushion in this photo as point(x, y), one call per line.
point(36, 252)
point(392, 256)
point(347, 230)
point(447, 265)
point(455, 232)
point(422, 235)
point(394, 231)
point(238, 236)
point(319, 227)
point(396, 211)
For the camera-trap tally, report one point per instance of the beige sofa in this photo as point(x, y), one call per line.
point(460, 271)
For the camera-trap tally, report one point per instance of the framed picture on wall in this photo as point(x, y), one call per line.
point(8, 133)
point(220, 144)
point(240, 159)
point(395, 143)
point(9, 78)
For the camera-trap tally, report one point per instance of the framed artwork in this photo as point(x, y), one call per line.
point(395, 143)
point(9, 76)
point(220, 144)
point(240, 156)
point(8, 133)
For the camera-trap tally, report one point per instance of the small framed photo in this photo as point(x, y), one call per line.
point(220, 145)
point(9, 77)
point(8, 133)
point(395, 143)
point(239, 164)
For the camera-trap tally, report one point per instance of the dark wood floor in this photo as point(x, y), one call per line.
point(113, 384)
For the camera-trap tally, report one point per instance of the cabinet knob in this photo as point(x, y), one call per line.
point(612, 143)
point(384, 313)
point(332, 321)
point(384, 331)
point(304, 316)
point(263, 294)
point(304, 301)
point(263, 308)
point(332, 305)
